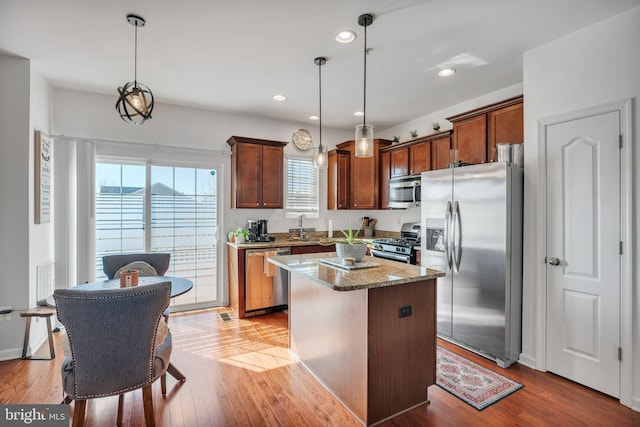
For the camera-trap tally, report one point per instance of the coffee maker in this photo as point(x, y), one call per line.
point(254, 230)
point(262, 230)
point(257, 229)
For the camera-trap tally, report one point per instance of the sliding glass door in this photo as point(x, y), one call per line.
point(160, 208)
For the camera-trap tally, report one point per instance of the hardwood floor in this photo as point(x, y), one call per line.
point(240, 373)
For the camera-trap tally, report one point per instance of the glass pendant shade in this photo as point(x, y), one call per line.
point(364, 140)
point(320, 157)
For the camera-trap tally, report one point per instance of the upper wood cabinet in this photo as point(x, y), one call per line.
point(506, 125)
point(418, 155)
point(257, 170)
point(338, 178)
point(385, 174)
point(476, 132)
point(440, 156)
point(364, 175)
point(399, 162)
point(419, 158)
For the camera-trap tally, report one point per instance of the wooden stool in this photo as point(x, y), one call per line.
point(46, 312)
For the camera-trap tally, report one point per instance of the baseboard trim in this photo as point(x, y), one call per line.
point(10, 354)
point(635, 404)
point(528, 361)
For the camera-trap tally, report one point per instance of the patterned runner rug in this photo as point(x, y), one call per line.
point(476, 385)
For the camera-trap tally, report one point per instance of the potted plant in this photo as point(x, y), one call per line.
point(396, 138)
point(414, 133)
point(351, 246)
point(241, 235)
point(436, 126)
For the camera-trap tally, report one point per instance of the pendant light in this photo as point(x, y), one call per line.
point(320, 153)
point(135, 102)
point(364, 132)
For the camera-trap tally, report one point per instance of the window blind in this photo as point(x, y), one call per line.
point(302, 188)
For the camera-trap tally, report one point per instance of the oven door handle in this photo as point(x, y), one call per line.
point(388, 255)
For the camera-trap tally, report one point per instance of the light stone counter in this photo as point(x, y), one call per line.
point(373, 347)
point(389, 273)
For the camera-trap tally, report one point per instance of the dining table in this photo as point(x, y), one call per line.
point(179, 286)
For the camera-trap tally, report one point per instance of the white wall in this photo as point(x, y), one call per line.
point(24, 107)
point(593, 66)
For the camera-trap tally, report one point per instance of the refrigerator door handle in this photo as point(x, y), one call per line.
point(447, 236)
point(457, 246)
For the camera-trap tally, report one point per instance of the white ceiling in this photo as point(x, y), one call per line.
point(235, 55)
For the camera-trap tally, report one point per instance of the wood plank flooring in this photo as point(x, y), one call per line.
point(240, 373)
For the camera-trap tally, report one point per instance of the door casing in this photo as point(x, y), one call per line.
point(626, 273)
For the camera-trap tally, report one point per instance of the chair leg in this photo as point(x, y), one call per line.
point(163, 384)
point(147, 400)
point(78, 413)
point(120, 402)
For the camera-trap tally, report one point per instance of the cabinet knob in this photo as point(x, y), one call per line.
point(258, 204)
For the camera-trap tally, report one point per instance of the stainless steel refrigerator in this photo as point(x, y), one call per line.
point(472, 230)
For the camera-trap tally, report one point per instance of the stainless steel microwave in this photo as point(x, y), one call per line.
point(404, 191)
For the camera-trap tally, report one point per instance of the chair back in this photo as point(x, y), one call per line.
point(112, 263)
point(111, 335)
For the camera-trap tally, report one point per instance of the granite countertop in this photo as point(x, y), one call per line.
point(388, 273)
point(283, 243)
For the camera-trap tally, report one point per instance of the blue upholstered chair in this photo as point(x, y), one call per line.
point(158, 260)
point(112, 336)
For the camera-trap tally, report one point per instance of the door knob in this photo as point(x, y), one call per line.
point(554, 261)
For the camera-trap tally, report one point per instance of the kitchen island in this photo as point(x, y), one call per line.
point(368, 334)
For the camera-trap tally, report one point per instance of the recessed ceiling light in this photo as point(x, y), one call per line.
point(446, 72)
point(279, 97)
point(345, 36)
point(358, 113)
point(314, 118)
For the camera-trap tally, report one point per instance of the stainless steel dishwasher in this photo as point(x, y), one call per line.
point(266, 286)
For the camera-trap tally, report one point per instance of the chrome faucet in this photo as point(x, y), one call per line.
point(300, 225)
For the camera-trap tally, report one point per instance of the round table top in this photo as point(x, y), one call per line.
point(179, 285)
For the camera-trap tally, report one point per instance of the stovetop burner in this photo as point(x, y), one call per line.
point(406, 242)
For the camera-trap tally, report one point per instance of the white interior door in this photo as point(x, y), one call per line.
point(583, 259)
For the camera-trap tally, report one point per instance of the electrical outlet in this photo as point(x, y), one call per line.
point(405, 311)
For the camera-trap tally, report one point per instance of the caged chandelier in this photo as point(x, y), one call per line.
point(135, 102)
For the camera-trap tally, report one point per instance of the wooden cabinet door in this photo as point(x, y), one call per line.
point(400, 162)
point(338, 179)
point(385, 174)
point(420, 158)
point(364, 179)
point(249, 176)
point(440, 153)
point(506, 125)
point(272, 172)
point(470, 138)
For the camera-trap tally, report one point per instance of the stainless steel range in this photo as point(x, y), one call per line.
point(403, 249)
